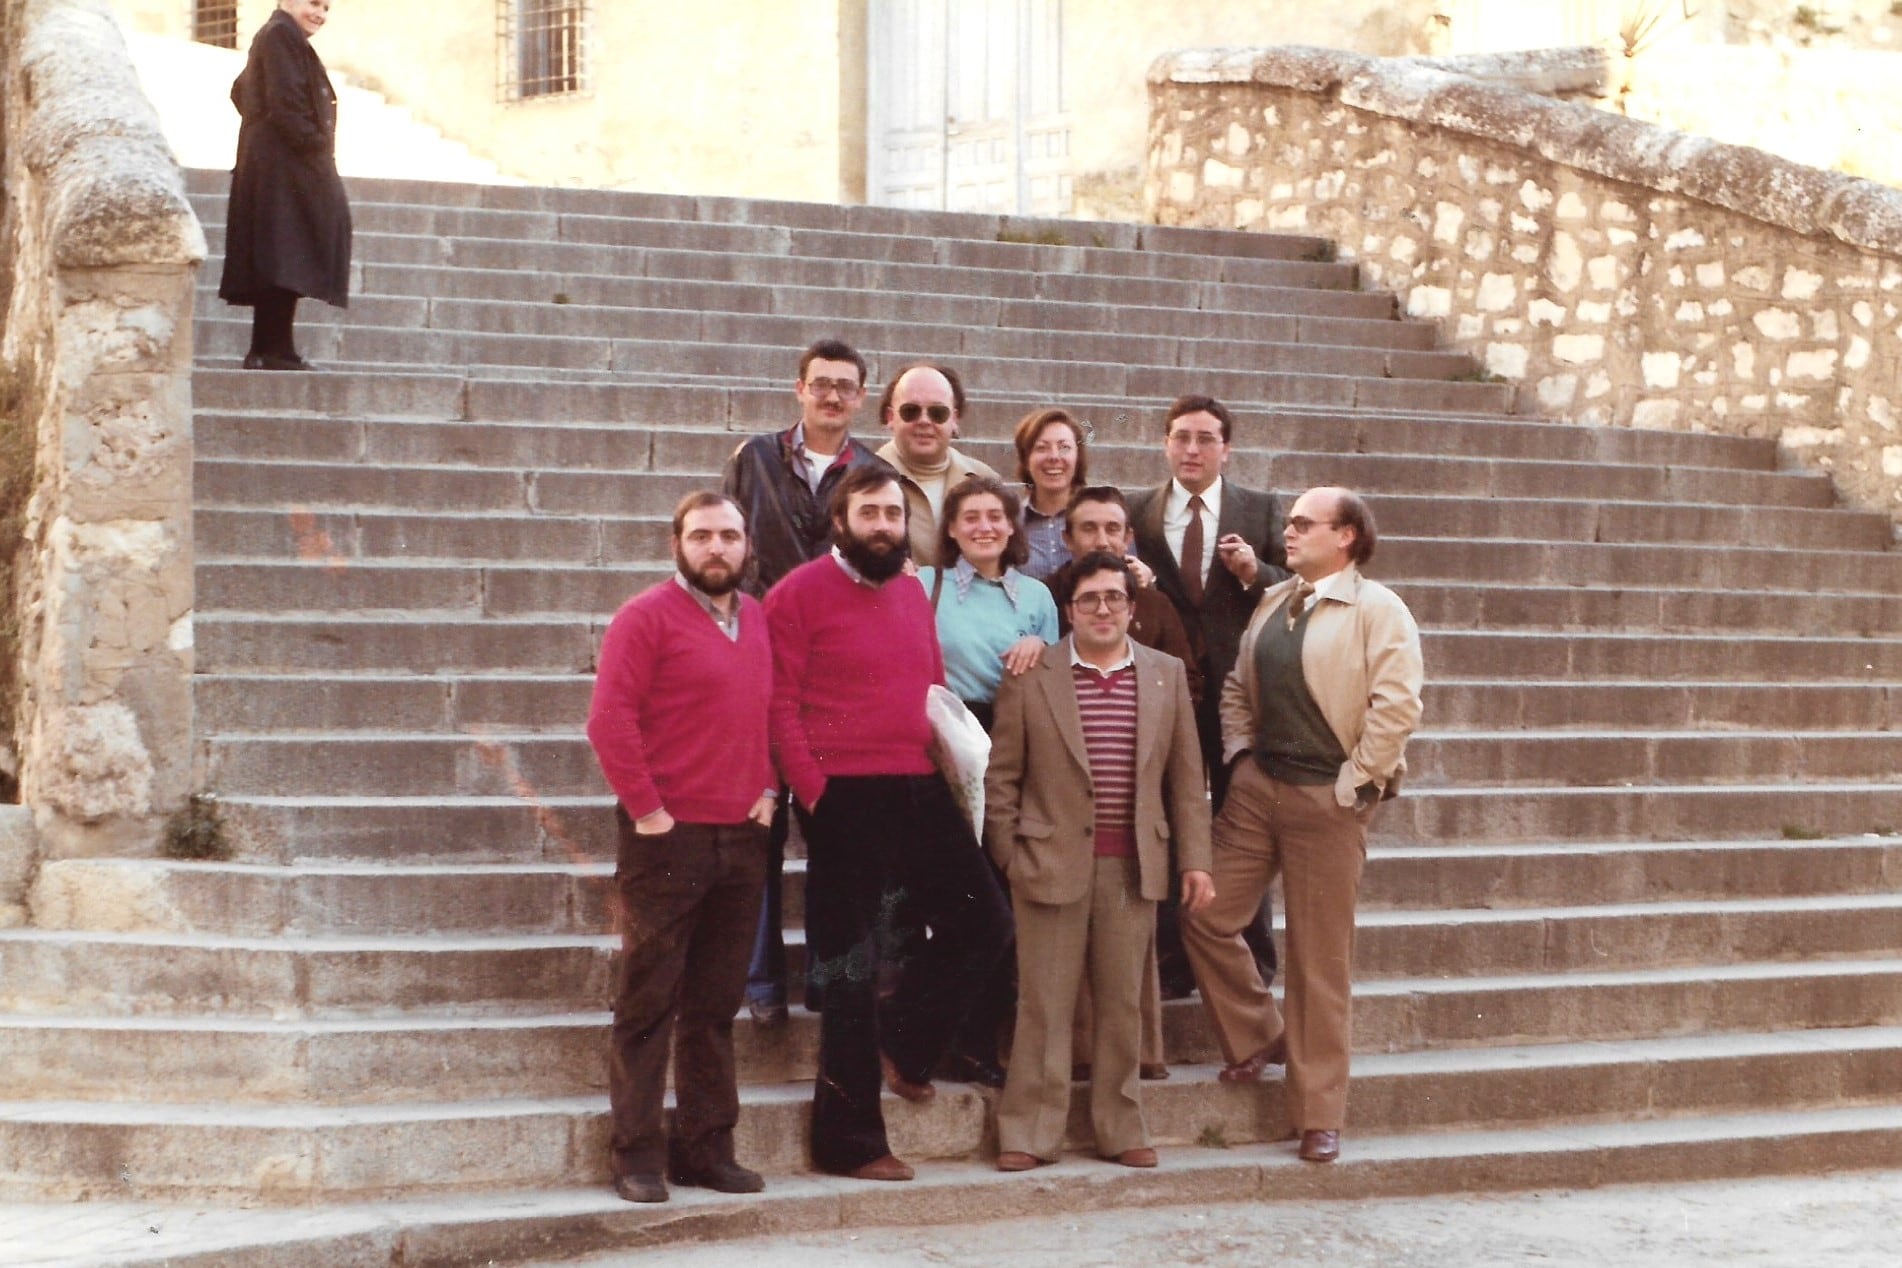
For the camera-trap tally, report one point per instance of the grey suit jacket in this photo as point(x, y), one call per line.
point(1039, 817)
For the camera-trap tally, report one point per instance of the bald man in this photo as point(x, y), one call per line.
point(922, 408)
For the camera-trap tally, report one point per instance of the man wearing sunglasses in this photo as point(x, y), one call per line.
point(1315, 722)
point(784, 481)
point(921, 408)
point(1095, 773)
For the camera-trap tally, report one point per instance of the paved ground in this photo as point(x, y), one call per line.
point(1852, 1220)
point(1847, 1221)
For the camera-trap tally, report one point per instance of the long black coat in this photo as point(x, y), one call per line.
point(288, 223)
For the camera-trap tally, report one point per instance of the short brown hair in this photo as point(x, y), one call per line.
point(1033, 424)
point(1108, 494)
point(863, 478)
point(700, 499)
point(1193, 404)
point(1350, 511)
point(1091, 564)
point(1016, 550)
point(832, 350)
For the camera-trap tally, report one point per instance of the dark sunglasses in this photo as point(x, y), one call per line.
point(939, 414)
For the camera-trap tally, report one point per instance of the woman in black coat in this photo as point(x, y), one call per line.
point(287, 228)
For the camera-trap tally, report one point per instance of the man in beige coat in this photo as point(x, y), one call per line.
point(923, 407)
point(1315, 719)
point(1095, 770)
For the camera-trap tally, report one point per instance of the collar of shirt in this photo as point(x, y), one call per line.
point(1326, 586)
point(805, 458)
point(1076, 661)
point(964, 575)
point(846, 566)
point(1176, 509)
point(727, 621)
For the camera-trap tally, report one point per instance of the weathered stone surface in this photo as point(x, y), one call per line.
point(1549, 236)
point(19, 853)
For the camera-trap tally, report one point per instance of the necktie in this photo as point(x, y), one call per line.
point(1299, 604)
point(1192, 553)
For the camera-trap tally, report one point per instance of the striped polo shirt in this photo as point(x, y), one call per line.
point(1106, 703)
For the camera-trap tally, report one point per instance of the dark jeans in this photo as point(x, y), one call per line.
point(766, 975)
point(1172, 962)
point(689, 898)
point(879, 846)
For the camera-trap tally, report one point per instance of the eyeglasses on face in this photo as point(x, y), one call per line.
point(823, 388)
point(1301, 524)
point(1101, 601)
point(910, 411)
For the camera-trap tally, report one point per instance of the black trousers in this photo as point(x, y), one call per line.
point(271, 319)
point(887, 852)
point(689, 902)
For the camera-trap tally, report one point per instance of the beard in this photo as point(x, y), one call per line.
point(878, 558)
point(708, 581)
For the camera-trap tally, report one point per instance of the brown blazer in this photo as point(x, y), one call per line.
point(1038, 815)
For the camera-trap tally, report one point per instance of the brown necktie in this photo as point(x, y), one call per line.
point(1299, 604)
point(1192, 553)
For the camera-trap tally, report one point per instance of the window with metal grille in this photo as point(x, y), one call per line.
point(540, 43)
point(215, 22)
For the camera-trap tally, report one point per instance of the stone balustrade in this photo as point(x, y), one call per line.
point(1617, 272)
point(99, 250)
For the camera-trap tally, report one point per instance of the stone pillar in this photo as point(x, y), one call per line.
point(104, 251)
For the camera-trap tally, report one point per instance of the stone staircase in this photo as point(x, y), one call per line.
point(1637, 915)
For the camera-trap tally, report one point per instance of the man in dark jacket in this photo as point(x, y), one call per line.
point(287, 225)
point(784, 482)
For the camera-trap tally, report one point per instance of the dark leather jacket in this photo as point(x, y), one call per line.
point(787, 521)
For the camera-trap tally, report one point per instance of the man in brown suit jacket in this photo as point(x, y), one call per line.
point(1095, 769)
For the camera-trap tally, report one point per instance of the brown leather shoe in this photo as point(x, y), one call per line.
point(1018, 1160)
point(640, 1187)
point(1153, 1070)
point(1249, 1071)
point(1320, 1146)
point(916, 1093)
point(886, 1168)
point(1141, 1156)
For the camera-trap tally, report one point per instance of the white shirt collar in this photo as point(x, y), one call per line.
point(1129, 656)
point(1177, 507)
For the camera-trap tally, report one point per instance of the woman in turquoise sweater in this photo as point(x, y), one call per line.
point(992, 619)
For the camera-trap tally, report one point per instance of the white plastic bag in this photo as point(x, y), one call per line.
point(962, 751)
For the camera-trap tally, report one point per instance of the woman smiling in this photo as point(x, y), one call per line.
point(1052, 463)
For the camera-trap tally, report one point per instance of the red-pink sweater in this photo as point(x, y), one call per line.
point(679, 716)
point(851, 665)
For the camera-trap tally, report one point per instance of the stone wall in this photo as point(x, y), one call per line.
point(100, 250)
point(1618, 272)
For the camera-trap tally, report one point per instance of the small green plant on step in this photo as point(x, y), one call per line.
point(561, 297)
point(197, 833)
point(1042, 238)
point(1797, 832)
point(1212, 1137)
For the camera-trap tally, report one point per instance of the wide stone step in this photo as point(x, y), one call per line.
point(1860, 706)
point(620, 340)
point(1660, 812)
point(620, 246)
point(242, 703)
point(248, 899)
point(208, 190)
point(525, 827)
point(334, 572)
point(441, 642)
point(742, 312)
point(533, 443)
point(510, 1225)
point(298, 762)
point(554, 490)
point(209, 1149)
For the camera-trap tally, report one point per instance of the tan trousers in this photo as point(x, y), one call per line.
point(1106, 934)
point(1318, 848)
point(1083, 1033)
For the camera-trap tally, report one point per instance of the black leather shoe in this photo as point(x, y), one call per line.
point(767, 1013)
point(271, 361)
point(640, 1187)
point(722, 1177)
point(963, 1069)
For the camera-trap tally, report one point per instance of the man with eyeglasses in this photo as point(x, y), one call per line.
point(1095, 772)
point(783, 482)
point(1315, 722)
point(1215, 547)
point(922, 407)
